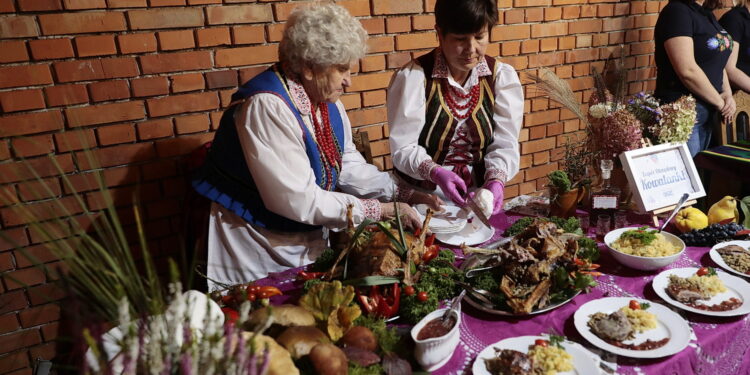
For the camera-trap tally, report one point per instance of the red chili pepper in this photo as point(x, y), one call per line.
point(268, 291)
point(302, 275)
point(230, 315)
point(430, 240)
point(430, 254)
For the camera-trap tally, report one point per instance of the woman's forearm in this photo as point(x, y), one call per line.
point(697, 82)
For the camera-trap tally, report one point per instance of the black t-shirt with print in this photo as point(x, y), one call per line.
point(711, 47)
point(737, 23)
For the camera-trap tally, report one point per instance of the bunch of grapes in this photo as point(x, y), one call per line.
point(711, 235)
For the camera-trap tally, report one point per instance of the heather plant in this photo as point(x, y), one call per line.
point(117, 284)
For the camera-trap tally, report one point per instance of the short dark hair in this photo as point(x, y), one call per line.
point(465, 16)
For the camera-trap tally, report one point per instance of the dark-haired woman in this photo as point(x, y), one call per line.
point(692, 50)
point(454, 113)
point(737, 23)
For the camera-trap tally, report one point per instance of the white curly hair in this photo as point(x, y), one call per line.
point(321, 36)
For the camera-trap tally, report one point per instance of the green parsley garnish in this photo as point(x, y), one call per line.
point(556, 340)
point(642, 234)
point(711, 272)
point(645, 305)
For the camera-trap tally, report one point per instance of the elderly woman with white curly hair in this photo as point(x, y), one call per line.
point(282, 168)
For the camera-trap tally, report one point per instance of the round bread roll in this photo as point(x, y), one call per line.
point(279, 360)
point(300, 340)
point(285, 315)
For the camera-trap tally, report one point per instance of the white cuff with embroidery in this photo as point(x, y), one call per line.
point(425, 169)
point(495, 174)
point(371, 209)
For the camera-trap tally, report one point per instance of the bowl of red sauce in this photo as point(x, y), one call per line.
point(435, 341)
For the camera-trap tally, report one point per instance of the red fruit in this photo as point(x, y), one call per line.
point(634, 305)
point(422, 296)
point(409, 290)
point(541, 342)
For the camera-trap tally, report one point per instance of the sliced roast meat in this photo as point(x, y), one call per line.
point(614, 326)
point(509, 362)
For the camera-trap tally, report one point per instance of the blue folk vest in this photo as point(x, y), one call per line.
point(225, 177)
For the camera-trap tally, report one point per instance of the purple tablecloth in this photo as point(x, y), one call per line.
point(720, 345)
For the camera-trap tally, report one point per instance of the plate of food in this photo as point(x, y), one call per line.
point(704, 291)
point(535, 271)
point(733, 256)
point(631, 327)
point(533, 355)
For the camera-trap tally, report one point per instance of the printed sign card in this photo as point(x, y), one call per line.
point(659, 175)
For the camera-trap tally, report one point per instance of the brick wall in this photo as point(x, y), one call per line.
point(145, 81)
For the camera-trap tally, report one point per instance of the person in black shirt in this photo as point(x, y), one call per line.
point(737, 23)
point(692, 50)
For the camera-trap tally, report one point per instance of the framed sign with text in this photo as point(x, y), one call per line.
point(659, 175)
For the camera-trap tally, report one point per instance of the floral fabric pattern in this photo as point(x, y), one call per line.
point(371, 209)
point(720, 42)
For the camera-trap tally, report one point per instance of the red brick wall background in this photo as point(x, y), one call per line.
point(145, 81)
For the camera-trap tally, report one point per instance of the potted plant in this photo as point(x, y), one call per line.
point(563, 196)
point(570, 185)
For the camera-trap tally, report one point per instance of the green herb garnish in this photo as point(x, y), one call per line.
point(645, 305)
point(642, 234)
point(556, 340)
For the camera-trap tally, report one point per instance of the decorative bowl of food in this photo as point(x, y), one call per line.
point(435, 339)
point(644, 248)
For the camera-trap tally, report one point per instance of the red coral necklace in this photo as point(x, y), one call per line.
point(324, 138)
point(450, 92)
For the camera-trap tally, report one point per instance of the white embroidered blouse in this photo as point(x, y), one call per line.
point(406, 116)
point(274, 150)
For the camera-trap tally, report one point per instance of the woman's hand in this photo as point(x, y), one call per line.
point(727, 111)
point(453, 186)
point(409, 216)
point(431, 200)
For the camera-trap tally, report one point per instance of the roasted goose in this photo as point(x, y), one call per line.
point(374, 254)
point(528, 260)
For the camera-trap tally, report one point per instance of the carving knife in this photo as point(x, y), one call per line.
point(478, 212)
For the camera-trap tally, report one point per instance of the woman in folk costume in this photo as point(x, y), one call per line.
point(454, 113)
point(282, 167)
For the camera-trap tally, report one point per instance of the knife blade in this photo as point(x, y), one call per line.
point(478, 212)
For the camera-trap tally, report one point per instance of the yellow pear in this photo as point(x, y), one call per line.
point(722, 210)
point(690, 218)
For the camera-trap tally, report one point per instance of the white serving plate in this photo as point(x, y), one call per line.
point(471, 234)
point(736, 287)
point(584, 363)
point(450, 219)
point(669, 324)
point(716, 257)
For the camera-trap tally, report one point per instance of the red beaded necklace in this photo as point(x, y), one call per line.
point(324, 138)
point(450, 92)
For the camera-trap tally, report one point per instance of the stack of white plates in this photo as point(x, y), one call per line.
point(451, 219)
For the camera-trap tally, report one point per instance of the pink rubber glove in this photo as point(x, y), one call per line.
point(498, 192)
point(453, 186)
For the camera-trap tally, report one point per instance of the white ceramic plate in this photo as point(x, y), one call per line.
point(669, 324)
point(584, 363)
point(473, 233)
point(450, 220)
point(716, 257)
point(736, 287)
